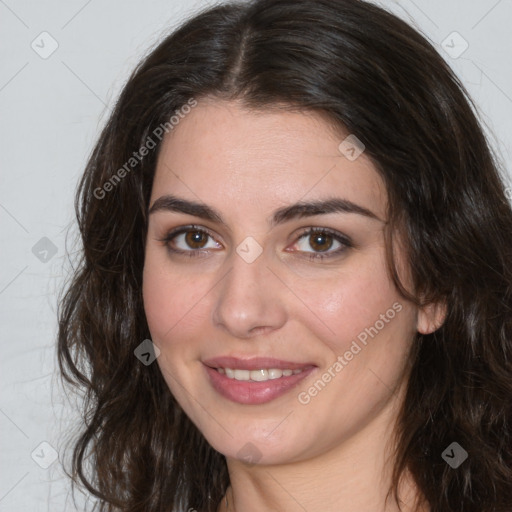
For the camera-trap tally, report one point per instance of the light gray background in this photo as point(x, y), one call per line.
point(51, 112)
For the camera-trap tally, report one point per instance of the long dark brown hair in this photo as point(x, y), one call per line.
point(377, 78)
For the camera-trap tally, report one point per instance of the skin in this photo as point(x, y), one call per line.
point(335, 449)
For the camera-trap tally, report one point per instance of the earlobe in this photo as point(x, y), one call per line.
point(431, 317)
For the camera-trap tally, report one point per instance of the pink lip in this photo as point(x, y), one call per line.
point(253, 393)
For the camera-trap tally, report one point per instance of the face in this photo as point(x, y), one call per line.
point(243, 286)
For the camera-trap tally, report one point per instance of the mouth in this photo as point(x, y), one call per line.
point(260, 375)
point(254, 381)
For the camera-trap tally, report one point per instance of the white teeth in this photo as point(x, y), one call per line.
point(257, 375)
point(242, 374)
point(274, 374)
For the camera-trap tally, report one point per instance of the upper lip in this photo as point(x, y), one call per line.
point(254, 363)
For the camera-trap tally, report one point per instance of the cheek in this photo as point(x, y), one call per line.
point(364, 300)
point(171, 308)
point(341, 306)
point(169, 297)
point(157, 299)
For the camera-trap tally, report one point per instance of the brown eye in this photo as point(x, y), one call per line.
point(321, 241)
point(190, 240)
point(196, 239)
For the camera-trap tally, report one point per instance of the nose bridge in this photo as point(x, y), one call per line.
point(247, 297)
point(248, 264)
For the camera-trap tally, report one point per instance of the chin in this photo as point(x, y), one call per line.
point(252, 444)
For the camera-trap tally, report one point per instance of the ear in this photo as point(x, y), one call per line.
point(431, 317)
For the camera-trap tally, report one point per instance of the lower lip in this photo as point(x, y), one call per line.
point(253, 393)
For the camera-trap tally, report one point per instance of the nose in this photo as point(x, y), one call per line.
point(250, 299)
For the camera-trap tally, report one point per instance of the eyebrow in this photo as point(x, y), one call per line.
point(287, 213)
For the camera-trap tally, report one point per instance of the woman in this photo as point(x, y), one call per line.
point(295, 289)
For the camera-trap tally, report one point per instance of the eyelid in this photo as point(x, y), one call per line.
point(340, 237)
point(173, 233)
point(344, 240)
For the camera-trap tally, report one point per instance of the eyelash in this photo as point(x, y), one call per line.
point(342, 239)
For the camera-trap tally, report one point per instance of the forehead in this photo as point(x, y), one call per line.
point(226, 155)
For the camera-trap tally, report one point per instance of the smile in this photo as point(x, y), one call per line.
point(257, 375)
point(254, 381)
